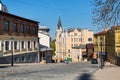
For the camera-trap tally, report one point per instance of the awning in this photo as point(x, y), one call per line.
point(46, 49)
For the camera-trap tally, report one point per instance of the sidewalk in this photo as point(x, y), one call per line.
point(109, 72)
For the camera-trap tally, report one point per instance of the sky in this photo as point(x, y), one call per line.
point(73, 13)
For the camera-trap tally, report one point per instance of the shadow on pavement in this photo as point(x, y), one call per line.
point(4, 66)
point(85, 76)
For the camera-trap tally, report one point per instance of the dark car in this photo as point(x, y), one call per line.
point(66, 61)
point(94, 61)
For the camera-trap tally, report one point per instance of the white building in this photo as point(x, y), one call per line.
point(71, 44)
point(44, 37)
point(3, 7)
point(44, 41)
point(60, 42)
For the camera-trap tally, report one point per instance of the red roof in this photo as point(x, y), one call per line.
point(101, 33)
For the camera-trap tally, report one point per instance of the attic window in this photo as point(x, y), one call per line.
point(89, 39)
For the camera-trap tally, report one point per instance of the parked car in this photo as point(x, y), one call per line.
point(66, 61)
point(94, 61)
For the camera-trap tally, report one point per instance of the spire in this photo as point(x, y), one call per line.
point(59, 23)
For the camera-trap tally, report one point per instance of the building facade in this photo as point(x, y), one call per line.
point(18, 37)
point(71, 44)
point(110, 44)
point(44, 44)
point(113, 44)
point(60, 42)
point(97, 41)
point(76, 41)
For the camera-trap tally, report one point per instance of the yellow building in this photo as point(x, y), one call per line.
point(100, 43)
point(110, 44)
point(113, 43)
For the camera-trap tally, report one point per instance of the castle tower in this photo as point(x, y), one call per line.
point(60, 41)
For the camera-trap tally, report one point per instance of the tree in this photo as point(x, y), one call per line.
point(53, 47)
point(106, 13)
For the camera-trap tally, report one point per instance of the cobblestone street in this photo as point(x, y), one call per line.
point(55, 71)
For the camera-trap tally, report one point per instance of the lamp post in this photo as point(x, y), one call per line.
point(12, 52)
point(101, 55)
point(38, 50)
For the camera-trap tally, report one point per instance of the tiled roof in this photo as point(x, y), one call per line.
point(72, 29)
point(115, 27)
point(101, 33)
point(9, 14)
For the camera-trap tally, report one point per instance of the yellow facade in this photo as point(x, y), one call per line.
point(113, 43)
point(100, 46)
point(110, 44)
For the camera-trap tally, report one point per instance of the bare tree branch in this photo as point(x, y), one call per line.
point(106, 13)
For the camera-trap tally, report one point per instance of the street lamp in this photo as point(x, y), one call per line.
point(38, 49)
point(12, 52)
point(101, 55)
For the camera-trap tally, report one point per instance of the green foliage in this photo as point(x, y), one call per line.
point(53, 47)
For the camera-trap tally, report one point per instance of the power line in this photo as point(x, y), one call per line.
point(49, 7)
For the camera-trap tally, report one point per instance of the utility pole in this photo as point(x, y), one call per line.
point(12, 52)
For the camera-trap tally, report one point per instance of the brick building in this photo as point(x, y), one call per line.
point(18, 37)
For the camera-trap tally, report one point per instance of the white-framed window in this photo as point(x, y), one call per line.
point(7, 45)
point(35, 44)
point(16, 45)
point(29, 44)
point(23, 44)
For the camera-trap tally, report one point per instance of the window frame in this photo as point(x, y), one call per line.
point(15, 27)
point(6, 25)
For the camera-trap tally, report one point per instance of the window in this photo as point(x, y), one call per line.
point(28, 29)
point(15, 44)
point(23, 45)
point(7, 25)
point(23, 58)
point(89, 39)
point(29, 45)
point(7, 45)
point(29, 57)
point(68, 50)
point(80, 39)
point(34, 29)
point(16, 59)
point(15, 27)
point(34, 44)
point(22, 28)
point(72, 45)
